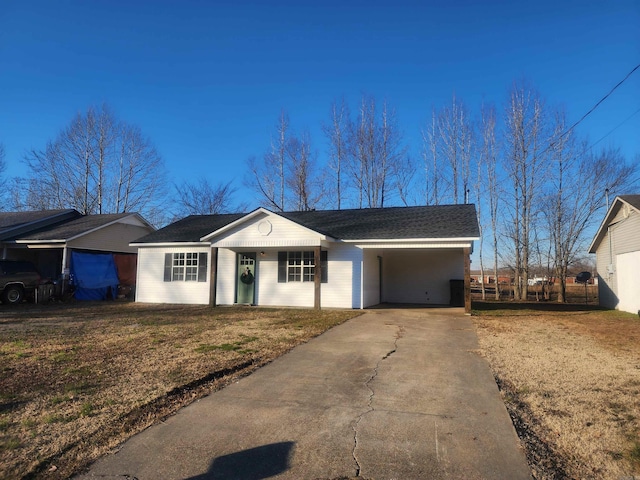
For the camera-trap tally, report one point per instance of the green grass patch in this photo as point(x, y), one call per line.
point(54, 418)
point(4, 424)
point(634, 453)
point(63, 357)
point(29, 423)
point(86, 409)
point(58, 399)
point(10, 444)
point(77, 388)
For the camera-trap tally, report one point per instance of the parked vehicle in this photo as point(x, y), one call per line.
point(18, 280)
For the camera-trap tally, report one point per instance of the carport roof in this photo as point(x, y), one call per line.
point(433, 222)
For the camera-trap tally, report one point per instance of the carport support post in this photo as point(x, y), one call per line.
point(213, 277)
point(317, 277)
point(466, 253)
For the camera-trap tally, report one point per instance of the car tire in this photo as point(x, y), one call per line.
point(13, 294)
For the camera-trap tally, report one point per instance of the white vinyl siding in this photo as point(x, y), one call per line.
point(340, 291)
point(251, 235)
point(151, 287)
point(627, 268)
point(344, 277)
point(271, 293)
point(226, 285)
point(371, 293)
point(623, 238)
point(420, 276)
point(607, 282)
point(112, 238)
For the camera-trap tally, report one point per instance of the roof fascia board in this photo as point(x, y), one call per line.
point(605, 223)
point(37, 242)
point(414, 240)
point(171, 244)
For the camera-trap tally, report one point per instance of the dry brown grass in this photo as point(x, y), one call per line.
point(78, 379)
point(570, 377)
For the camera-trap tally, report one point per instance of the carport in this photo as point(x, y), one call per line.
point(420, 274)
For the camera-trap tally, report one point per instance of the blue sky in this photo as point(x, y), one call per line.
point(206, 80)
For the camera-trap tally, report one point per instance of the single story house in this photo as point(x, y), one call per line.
point(50, 238)
point(617, 249)
point(333, 258)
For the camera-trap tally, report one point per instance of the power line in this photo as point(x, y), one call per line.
point(615, 128)
point(568, 130)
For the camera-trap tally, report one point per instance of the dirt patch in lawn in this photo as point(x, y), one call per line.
point(78, 379)
point(570, 378)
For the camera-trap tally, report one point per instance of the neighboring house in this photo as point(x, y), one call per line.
point(332, 258)
point(617, 249)
point(49, 238)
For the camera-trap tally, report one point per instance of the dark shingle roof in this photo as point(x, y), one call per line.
point(191, 228)
point(73, 228)
point(439, 221)
point(17, 223)
point(15, 219)
point(633, 200)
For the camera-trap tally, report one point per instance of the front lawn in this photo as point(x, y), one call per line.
point(78, 379)
point(570, 378)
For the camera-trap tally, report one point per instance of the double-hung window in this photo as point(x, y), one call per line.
point(300, 266)
point(185, 267)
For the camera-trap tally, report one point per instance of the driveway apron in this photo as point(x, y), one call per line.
point(392, 394)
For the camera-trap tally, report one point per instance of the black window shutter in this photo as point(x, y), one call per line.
point(167, 266)
point(202, 267)
point(323, 265)
point(282, 267)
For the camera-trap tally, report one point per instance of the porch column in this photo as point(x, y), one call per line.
point(65, 266)
point(317, 278)
point(213, 277)
point(466, 253)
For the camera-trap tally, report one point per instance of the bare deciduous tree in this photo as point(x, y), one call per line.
point(337, 135)
point(270, 174)
point(305, 193)
point(203, 198)
point(490, 163)
point(97, 164)
point(576, 193)
point(287, 175)
point(376, 150)
point(451, 143)
point(525, 165)
point(430, 157)
point(403, 172)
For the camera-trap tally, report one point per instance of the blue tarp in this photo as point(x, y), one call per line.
point(93, 274)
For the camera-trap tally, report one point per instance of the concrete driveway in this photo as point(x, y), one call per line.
point(392, 394)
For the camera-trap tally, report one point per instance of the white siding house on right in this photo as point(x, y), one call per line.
point(617, 249)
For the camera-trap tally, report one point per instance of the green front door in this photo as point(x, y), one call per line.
point(246, 278)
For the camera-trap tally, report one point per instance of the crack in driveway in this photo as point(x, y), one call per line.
point(399, 334)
